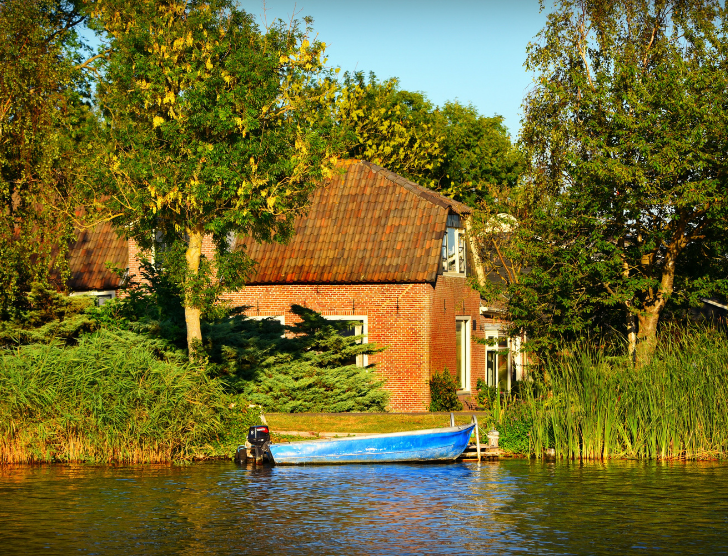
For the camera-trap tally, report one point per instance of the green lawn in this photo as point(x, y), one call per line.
point(364, 422)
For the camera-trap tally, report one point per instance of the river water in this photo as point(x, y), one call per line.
point(505, 507)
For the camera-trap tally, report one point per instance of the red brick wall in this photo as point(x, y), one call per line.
point(453, 298)
point(397, 319)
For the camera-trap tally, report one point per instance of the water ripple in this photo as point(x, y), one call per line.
point(506, 507)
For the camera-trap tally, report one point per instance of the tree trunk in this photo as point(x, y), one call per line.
point(656, 300)
point(192, 313)
point(647, 336)
point(632, 336)
point(477, 263)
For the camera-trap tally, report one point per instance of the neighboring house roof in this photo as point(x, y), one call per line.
point(90, 253)
point(366, 225)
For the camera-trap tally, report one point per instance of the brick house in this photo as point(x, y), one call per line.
point(376, 249)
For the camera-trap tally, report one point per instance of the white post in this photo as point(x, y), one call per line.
point(452, 419)
point(477, 435)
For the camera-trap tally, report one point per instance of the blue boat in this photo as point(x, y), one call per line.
point(444, 444)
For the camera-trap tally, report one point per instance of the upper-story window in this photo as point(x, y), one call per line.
point(453, 247)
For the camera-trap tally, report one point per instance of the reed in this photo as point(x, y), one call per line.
point(112, 398)
point(597, 407)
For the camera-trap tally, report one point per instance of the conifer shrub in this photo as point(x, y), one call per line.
point(308, 367)
point(443, 392)
point(47, 316)
point(313, 368)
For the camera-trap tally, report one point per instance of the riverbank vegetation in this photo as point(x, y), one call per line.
point(115, 397)
point(120, 388)
point(589, 404)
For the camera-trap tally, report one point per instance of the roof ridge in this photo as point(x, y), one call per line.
point(428, 194)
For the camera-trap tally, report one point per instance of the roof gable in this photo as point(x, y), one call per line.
point(366, 225)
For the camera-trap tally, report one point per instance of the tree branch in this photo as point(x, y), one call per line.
point(92, 59)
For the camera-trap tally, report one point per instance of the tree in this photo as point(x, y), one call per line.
point(43, 93)
point(399, 130)
point(215, 128)
point(479, 161)
point(625, 134)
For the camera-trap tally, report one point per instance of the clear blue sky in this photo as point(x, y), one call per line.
point(466, 50)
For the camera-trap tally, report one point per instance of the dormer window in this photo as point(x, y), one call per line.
point(453, 247)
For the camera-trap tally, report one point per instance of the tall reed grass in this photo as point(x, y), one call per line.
point(593, 406)
point(112, 398)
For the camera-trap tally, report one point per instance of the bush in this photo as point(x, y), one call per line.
point(443, 393)
point(486, 394)
point(48, 316)
point(313, 370)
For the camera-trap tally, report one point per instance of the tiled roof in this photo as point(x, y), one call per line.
point(366, 225)
point(88, 255)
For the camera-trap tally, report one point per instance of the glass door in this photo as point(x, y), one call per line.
point(462, 351)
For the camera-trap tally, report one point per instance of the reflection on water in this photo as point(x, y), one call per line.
point(512, 506)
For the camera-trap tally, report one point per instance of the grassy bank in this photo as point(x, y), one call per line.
point(592, 406)
point(115, 397)
point(361, 422)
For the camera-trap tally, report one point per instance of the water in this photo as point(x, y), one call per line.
point(506, 507)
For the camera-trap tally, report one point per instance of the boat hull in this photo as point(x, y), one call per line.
point(428, 445)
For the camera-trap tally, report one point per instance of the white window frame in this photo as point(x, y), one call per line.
point(361, 360)
point(467, 355)
point(95, 293)
point(494, 334)
point(459, 234)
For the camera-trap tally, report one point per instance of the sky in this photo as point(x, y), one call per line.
point(467, 50)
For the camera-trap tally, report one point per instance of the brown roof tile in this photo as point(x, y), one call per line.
point(366, 225)
point(89, 254)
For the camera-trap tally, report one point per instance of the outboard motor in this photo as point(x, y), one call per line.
point(257, 443)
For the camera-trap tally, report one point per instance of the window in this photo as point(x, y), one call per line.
point(497, 361)
point(100, 297)
point(462, 348)
point(454, 254)
point(280, 318)
point(359, 328)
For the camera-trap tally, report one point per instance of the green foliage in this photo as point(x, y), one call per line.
point(117, 396)
point(451, 149)
point(214, 128)
point(480, 165)
point(49, 317)
point(486, 394)
point(396, 129)
point(443, 392)
point(42, 112)
point(514, 430)
point(624, 132)
point(597, 406)
point(313, 369)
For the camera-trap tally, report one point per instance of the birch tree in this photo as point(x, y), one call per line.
point(625, 133)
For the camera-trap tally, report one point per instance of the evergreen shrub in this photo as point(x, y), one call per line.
point(443, 392)
point(312, 368)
